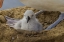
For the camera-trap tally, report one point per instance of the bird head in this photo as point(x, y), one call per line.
point(29, 14)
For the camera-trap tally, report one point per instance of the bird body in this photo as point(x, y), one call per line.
point(28, 22)
point(31, 25)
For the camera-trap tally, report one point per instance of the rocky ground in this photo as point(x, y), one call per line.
point(8, 34)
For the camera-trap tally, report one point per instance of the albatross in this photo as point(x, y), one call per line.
point(28, 22)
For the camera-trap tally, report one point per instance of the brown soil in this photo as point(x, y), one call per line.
point(8, 34)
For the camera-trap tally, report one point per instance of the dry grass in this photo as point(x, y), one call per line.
point(8, 34)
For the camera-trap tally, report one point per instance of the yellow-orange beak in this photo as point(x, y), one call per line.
point(1, 3)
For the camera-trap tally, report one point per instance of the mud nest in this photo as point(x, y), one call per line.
point(8, 34)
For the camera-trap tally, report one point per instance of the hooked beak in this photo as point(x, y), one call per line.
point(28, 18)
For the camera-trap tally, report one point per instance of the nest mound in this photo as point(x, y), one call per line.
point(8, 34)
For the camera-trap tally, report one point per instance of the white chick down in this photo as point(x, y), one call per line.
point(29, 22)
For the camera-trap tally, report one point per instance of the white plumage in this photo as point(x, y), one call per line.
point(28, 22)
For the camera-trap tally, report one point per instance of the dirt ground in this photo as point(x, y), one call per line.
point(8, 34)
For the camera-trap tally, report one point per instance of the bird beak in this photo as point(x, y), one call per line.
point(28, 18)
